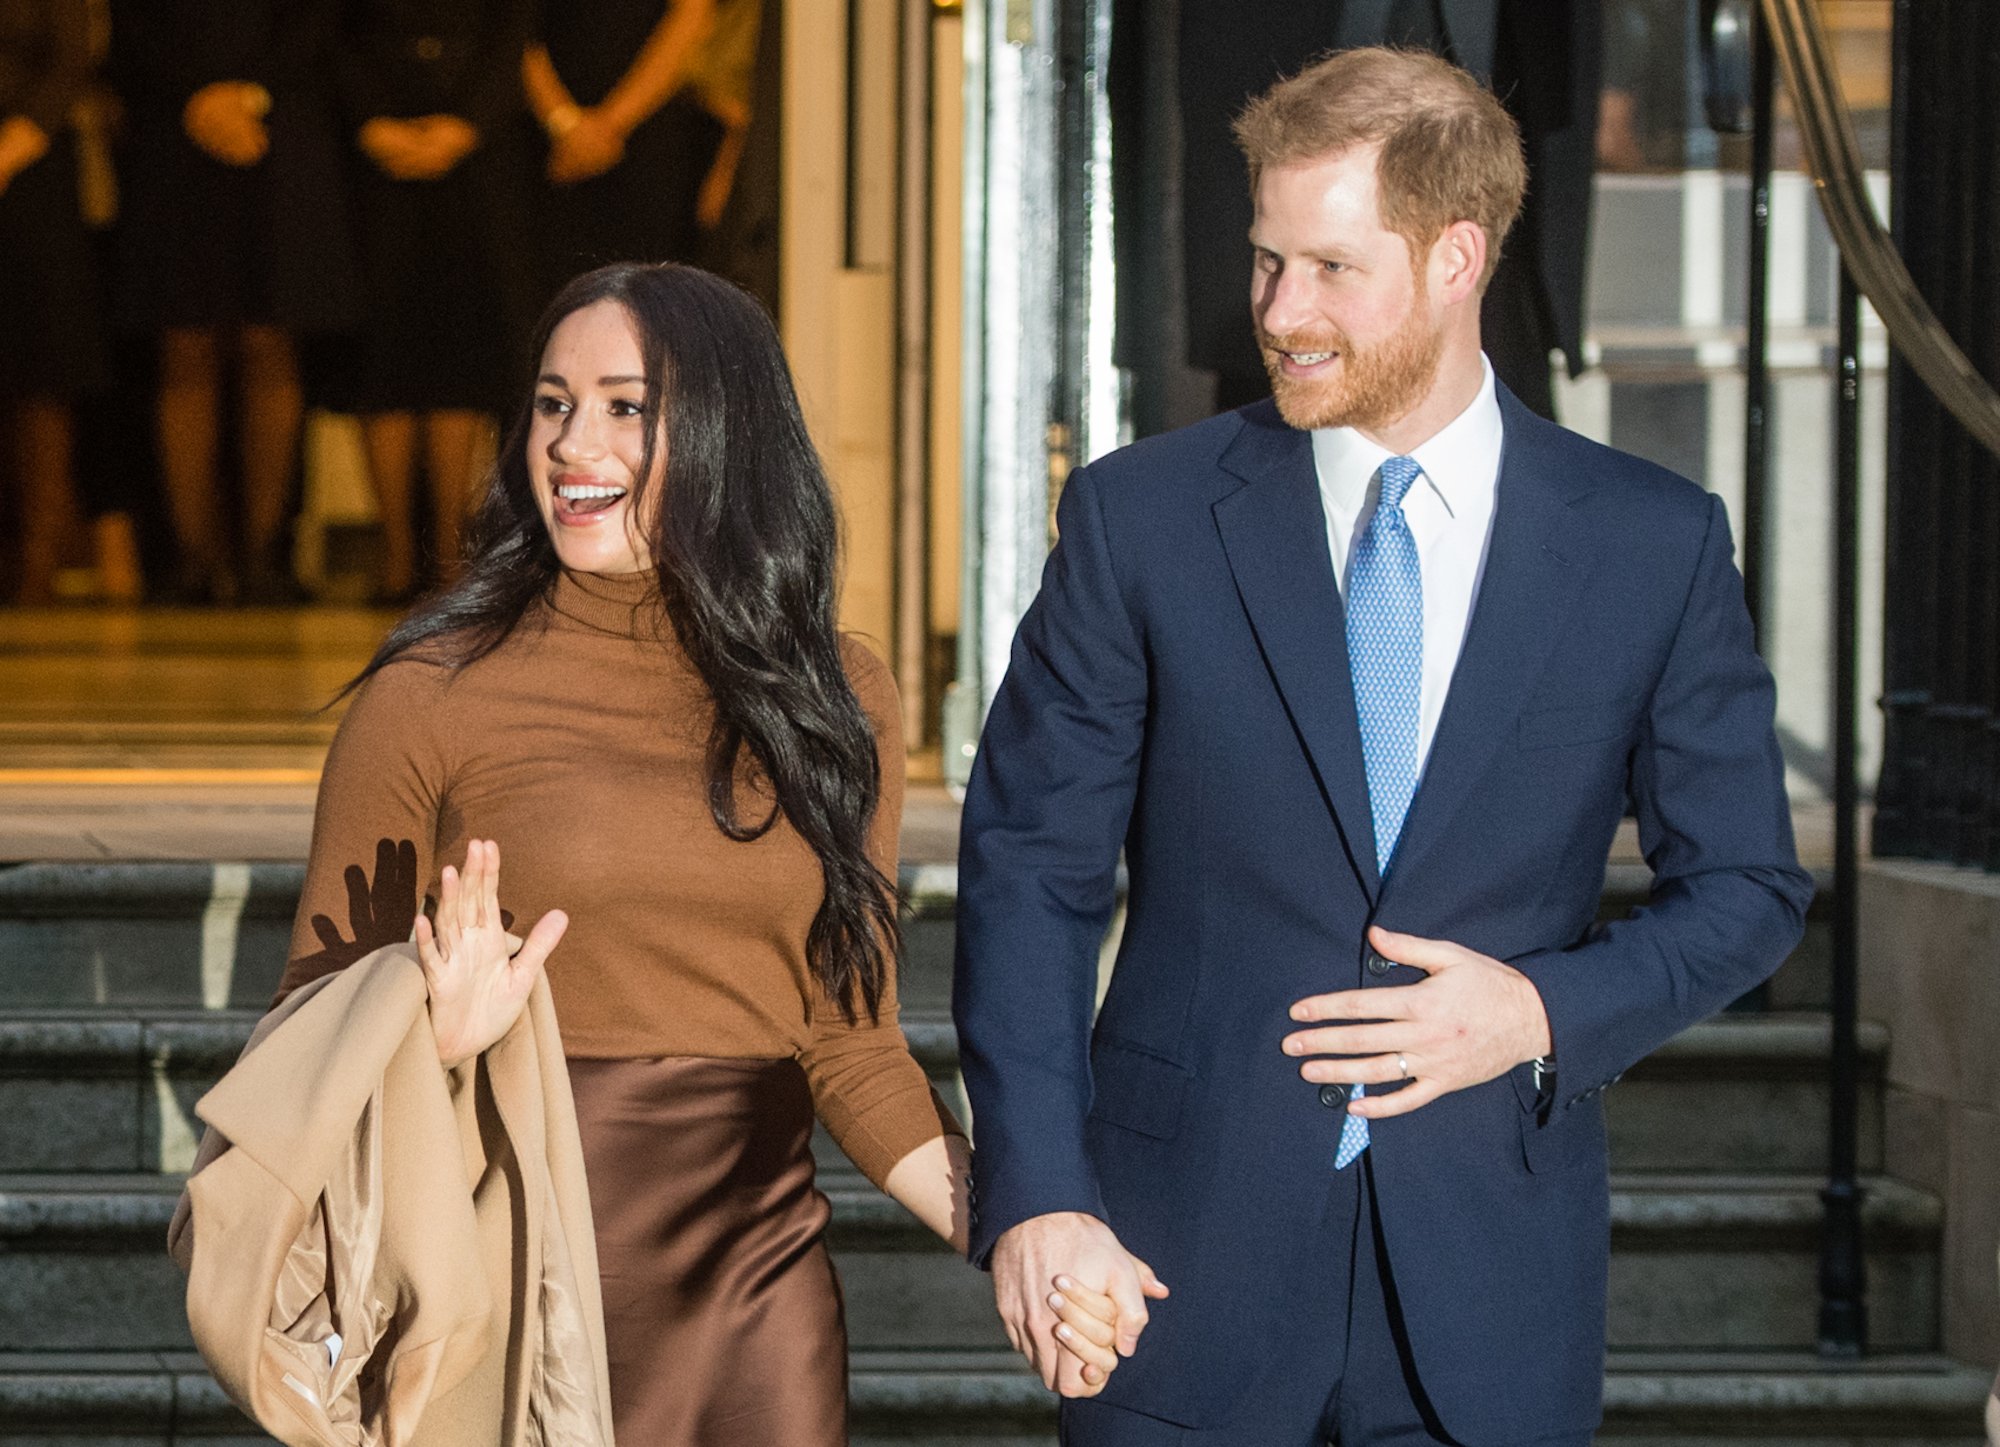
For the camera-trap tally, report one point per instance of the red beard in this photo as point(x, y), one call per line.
point(1368, 387)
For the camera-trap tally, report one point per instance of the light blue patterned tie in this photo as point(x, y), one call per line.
point(1385, 656)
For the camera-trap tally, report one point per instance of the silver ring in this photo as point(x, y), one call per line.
point(1404, 1066)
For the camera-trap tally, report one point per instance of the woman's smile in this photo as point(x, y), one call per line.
point(585, 500)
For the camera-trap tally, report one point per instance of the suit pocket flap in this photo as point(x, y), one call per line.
point(1570, 1138)
point(1137, 1090)
point(1551, 728)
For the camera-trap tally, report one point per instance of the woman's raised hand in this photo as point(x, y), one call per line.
point(479, 976)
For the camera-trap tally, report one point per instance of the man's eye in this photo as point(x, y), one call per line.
point(1333, 266)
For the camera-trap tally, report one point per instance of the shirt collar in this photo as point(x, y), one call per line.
point(1461, 455)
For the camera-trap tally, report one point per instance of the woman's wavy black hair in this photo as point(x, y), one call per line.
point(746, 545)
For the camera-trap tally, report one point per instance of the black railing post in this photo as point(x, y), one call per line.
point(1843, 1311)
point(1757, 345)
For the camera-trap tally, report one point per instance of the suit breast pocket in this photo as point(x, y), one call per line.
point(1136, 1089)
point(1584, 723)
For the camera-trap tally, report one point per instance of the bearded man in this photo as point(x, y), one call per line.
point(1361, 679)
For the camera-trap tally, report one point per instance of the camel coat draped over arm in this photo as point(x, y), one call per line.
point(381, 1252)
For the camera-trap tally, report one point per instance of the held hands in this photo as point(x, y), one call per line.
point(1473, 1020)
point(1044, 1274)
point(226, 119)
point(479, 975)
point(422, 148)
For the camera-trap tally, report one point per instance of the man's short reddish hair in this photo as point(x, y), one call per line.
point(1450, 152)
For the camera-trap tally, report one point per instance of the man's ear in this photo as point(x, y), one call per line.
point(1458, 262)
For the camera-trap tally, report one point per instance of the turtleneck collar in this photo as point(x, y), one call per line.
point(625, 605)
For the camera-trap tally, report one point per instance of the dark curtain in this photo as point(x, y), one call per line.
point(1939, 793)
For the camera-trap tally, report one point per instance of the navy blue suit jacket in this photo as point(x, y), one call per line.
point(1180, 690)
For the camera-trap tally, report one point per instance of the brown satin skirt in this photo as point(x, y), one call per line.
point(722, 1314)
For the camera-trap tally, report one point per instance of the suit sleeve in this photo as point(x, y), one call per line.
point(1729, 898)
point(1046, 811)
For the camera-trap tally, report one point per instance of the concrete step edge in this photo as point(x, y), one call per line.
point(1739, 1395)
point(172, 889)
point(125, 1037)
point(1745, 1211)
point(1769, 1392)
point(144, 890)
point(177, 889)
point(121, 1041)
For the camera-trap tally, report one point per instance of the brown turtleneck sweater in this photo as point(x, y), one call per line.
point(579, 745)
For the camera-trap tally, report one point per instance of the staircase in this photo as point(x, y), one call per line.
point(127, 989)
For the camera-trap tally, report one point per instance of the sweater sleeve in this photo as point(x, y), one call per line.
point(867, 1087)
point(374, 839)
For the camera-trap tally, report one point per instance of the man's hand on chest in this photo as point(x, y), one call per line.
point(1472, 1020)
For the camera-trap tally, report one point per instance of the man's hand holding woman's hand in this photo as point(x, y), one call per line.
point(1072, 1298)
point(479, 975)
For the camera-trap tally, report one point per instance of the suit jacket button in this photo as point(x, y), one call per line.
point(1377, 965)
point(1333, 1096)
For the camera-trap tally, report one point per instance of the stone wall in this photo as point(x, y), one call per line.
point(1930, 971)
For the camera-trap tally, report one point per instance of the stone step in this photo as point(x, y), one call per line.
point(199, 935)
point(1732, 1263)
point(113, 1089)
point(215, 936)
point(1742, 1094)
point(155, 934)
point(956, 1399)
point(1697, 1263)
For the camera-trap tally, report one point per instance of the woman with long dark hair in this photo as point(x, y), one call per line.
point(638, 688)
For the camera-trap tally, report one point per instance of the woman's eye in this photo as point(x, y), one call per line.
point(550, 406)
point(626, 408)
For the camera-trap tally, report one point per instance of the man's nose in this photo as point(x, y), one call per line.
point(1281, 301)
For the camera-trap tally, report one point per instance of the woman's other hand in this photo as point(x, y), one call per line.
point(226, 119)
point(590, 146)
point(1086, 1330)
point(479, 981)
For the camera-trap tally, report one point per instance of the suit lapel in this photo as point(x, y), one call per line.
point(1533, 568)
point(1274, 534)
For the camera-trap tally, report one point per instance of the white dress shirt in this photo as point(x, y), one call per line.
point(1450, 512)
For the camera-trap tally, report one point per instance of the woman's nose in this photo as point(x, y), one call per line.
point(577, 440)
